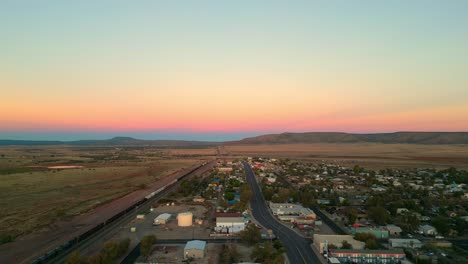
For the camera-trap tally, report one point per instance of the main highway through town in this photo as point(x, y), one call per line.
point(297, 248)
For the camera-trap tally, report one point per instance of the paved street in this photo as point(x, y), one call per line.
point(297, 248)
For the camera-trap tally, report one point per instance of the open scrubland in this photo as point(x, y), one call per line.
point(35, 194)
point(371, 155)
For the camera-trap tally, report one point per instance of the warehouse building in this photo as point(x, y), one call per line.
point(195, 249)
point(162, 219)
point(230, 224)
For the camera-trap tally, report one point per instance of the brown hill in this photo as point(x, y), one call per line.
point(338, 137)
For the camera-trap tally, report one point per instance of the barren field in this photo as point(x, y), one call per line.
point(371, 155)
point(34, 196)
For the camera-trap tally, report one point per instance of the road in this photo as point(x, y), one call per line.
point(297, 248)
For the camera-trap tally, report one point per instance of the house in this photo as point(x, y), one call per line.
point(195, 249)
point(405, 243)
point(232, 224)
point(393, 256)
point(162, 219)
point(225, 169)
point(393, 230)
point(321, 242)
point(451, 214)
point(271, 179)
point(428, 230)
point(400, 211)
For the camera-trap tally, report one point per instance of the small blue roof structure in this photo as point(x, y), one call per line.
point(195, 244)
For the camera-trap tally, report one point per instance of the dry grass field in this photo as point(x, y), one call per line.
point(372, 155)
point(33, 196)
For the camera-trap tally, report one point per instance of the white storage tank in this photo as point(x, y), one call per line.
point(184, 219)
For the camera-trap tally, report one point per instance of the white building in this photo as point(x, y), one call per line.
point(393, 230)
point(231, 224)
point(162, 219)
point(289, 211)
point(405, 243)
point(428, 230)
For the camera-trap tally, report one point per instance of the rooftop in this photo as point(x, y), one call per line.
point(195, 244)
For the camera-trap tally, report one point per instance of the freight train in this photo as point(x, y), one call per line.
point(62, 248)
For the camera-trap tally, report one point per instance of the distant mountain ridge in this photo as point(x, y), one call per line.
point(339, 137)
point(116, 141)
point(283, 138)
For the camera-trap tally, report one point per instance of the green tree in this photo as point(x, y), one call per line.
point(379, 215)
point(346, 245)
point(441, 224)
point(267, 253)
point(229, 196)
point(306, 199)
point(251, 235)
point(357, 169)
point(229, 254)
point(351, 215)
point(372, 244)
point(146, 244)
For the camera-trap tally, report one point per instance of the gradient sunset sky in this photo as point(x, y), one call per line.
point(217, 70)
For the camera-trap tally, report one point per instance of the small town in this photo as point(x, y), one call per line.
point(350, 215)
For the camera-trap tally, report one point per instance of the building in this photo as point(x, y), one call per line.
point(378, 232)
point(162, 219)
point(393, 256)
point(404, 243)
point(288, 211)
point(198, 199)
point(321, 242)
point(393, 230)
point(428, 230)
point(401, 211)
point(230, 224)
point(224, 169)
point(195, 249)
point(334, 261)
point(303, 221)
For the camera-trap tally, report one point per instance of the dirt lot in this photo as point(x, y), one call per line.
point(171, 230)
point(371, 155)
point(33, 196)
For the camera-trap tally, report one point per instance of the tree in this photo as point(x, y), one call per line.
point(379, 215)
point(352, 215)
point(75, 258)
point(441, 224)
point(346, 245)
point(251, 235)
point(229, 254)
point(283, 195)
point(229, 196)
point(408, 222)
point(372, 244)
point(267, 253)
point(306, 198)
point(357, 169)
point(146, 244)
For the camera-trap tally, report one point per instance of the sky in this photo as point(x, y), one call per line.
point(220, 70)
